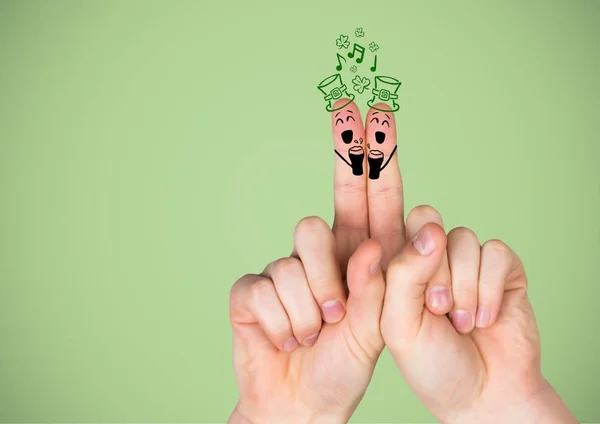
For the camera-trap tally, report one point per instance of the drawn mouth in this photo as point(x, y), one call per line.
point(356, 150)
point(347, 136)
point(379, 137)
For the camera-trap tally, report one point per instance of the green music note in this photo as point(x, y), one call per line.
point(360, 49)
point(374, 67)
point(339, 56)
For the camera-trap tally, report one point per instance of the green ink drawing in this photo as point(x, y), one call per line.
point(334, 88)
point(374, 67)
point(385, 91)
point(361, 84)
point(377, 90)
point(339, 56)
point(360, 49)
point(342, 42)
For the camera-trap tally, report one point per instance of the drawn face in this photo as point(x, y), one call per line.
point(348, 137)
point(348, 131)
point(381, 139)
point(381, 132)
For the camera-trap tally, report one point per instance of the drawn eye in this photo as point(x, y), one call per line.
point(386, 122)
point(374, 119)
point(340, 120)
point(350, 116)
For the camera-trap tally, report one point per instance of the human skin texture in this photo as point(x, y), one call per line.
point(308, 330)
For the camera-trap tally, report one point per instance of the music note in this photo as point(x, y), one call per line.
point(339, 56)
point(360, 49)
point(374, 67)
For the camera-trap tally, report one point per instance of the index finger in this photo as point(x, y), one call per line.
point(384, 188)
point(351, 223)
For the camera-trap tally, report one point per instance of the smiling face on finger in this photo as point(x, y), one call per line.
point(349, 137)
point(381, 133)
point(348, 130)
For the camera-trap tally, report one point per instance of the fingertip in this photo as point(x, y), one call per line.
point(368, 254)
point(439, 300)
point(333, 311)
point(429, 239)
point(485, 317)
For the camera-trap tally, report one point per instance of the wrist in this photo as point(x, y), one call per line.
point(542, 407)
point(241, 415)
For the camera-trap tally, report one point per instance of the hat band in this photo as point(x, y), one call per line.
point(336, 93)
point(384, 94)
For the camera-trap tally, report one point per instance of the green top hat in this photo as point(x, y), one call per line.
point(334, 89)
point(385, 91)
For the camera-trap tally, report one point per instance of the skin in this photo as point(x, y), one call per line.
point(308, 330)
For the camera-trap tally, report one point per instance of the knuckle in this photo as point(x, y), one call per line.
point(286, 268)
point(463, 233)
point(425, 213)
point(261, 287)
point(244, 279)
point(496, 247)
point(307, 326)
point(311, 224)
point(391, 193)
point(464, 290)
point(348, 188)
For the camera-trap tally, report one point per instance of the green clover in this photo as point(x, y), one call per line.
point(359, 32)
point(373, 47)
point(342, 42)
point(360, 84)
point(353, 68)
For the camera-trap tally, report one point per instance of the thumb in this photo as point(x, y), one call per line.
point(366, 288)
point(407, 277)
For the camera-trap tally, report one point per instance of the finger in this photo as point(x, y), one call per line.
point(350, 179)
point(384, 185)
point(463, 258)
point(254, 300)
point(293, 290)
point(438, 294)
point(315, 245)
point(407, 277)
point(365, 300)
point(497, 272)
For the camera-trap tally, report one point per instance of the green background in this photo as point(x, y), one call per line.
point(153, 152)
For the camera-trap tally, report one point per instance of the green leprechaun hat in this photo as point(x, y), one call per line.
point(385, 91)
point(334, 88)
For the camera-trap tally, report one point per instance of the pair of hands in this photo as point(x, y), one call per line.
point(455, 315)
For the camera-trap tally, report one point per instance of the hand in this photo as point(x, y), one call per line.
point(304, 349)
point(482, 363)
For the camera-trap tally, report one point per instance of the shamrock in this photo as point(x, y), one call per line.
point(353, 68)
point(359, 32)
point(342, 41)
point(360, 84)
point(373, 47)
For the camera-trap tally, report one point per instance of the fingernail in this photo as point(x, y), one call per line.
point(462, 320)
point(290, 344)
point(333, 311)
point(424, 242)
point(310, 340)
point(439, 297)
point(483, 317)
point(374, 268)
